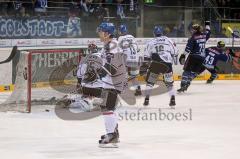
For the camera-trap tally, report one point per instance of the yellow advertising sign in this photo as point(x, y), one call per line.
point(231, 26)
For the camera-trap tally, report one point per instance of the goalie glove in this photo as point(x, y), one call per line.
point(92, 48)
point(182, 59)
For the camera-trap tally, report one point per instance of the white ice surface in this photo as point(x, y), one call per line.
point(213, 132)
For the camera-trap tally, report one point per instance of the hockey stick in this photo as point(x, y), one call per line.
point(13, 53)
point(232, 33)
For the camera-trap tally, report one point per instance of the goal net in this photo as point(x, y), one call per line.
point(41, 77)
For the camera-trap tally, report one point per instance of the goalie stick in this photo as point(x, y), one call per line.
point(13, 53)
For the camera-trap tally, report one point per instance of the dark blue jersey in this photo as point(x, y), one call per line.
point(196, 44)
point(40, 3)
point(213, 55)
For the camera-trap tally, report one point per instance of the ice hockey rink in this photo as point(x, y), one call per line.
point(212, 131)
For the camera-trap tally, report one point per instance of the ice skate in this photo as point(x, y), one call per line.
point(146, 101)
point(116, 131)
point(109, 140)
point(209, 81)
point(183, 88)
point(180, 90)
point(138, 91)
point(172, 102)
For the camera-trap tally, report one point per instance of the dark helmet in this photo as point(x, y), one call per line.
point(92, 48)
point(158, 31)
point(221, 45)
point(196, 28)
point(123, 29)
point(106, 27)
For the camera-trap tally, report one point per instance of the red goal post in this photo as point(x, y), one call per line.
point(41, 76)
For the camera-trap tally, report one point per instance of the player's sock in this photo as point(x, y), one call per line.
point(112, 136)
point(171, 92)
point(110, 120)
point(185, 82)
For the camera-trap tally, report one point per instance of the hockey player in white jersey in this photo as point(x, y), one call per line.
point(113, 78)
point(103, 75)
point(160, 51)
point(130, 48)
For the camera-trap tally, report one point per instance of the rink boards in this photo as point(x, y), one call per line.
point(6, 69)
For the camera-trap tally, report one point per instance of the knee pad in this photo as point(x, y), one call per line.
point(109, 98)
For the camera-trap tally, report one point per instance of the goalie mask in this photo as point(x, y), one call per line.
point(92, 48)
point(94, 63)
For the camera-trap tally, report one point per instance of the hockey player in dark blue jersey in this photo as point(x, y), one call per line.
point(195, 49)
point(213, 55)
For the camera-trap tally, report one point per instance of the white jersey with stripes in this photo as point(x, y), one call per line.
point(163, 46)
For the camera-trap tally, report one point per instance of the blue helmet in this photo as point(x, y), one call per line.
point(158, 31)
point(106, 27)
point(123, 29)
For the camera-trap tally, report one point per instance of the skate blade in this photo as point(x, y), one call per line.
point(172, 106)
point(180, 92)
point(109, 145)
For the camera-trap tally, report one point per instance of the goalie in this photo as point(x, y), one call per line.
point(86, 73)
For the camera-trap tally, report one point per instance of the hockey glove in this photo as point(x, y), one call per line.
point(182, 59)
